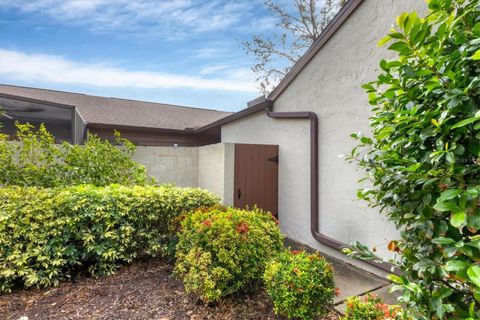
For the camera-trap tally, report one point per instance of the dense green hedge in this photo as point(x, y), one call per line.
point(225, 250)
point(47, 235)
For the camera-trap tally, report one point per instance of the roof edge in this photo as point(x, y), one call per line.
point(322, 39)
point(259, 104)
point(32, 100)
point(93, 125)
point(113, 98)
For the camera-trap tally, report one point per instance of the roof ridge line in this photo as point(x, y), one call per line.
point(113, 98)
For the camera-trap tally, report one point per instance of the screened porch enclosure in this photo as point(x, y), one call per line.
point(58, 119)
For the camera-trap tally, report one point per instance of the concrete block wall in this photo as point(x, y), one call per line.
point(208, 167)
point(175, 165)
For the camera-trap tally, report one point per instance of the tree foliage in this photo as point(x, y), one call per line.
point(2, 114)
point(294, 33)
point(423, 159)
point(35, 160)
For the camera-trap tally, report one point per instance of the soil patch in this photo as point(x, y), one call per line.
point(143, 290)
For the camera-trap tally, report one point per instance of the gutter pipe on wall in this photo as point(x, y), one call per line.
point(314, 176)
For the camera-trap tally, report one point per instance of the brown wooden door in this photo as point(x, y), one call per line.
point(256, 177)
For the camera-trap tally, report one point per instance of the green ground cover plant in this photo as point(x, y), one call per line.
point(225, 250)
point(300, 285)
point(50, 234)
point(35, 160)
point(423, 158)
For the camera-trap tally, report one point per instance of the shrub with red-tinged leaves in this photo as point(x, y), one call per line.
point(224, 250)
point(370, 307)
point(300, 285)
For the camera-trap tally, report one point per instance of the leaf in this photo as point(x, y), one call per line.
point(476, 29)
point(465, 122)
point(395, 279)
point(427, 198)
point(443, 240)
point(450, 157)
point(400, 46)
point(476, 294)
point(446, 206)
point(401, 19)
point(474, 275)
point(397, 35)
point(473, 221)
point(449, 194)
point(458, 219)
point(474, 244)
point(476, 55)
point(384, 41)
point(455, 265)
point(383, 65)
point(434, 5)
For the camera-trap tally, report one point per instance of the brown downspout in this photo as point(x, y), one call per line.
point(314, 175)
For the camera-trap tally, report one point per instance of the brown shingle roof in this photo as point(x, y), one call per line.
point(122, 112)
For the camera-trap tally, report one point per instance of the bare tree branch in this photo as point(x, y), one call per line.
point(295, 32)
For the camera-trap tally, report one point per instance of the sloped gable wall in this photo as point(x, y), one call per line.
point(330, 86)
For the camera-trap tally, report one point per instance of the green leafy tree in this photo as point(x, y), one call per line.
point(423, 158)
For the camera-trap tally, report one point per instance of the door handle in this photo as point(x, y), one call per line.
point(273, 159)
point(239, 193)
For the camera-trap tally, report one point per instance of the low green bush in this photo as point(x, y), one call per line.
point(35, 160)
point(300, 285)
point(225, 250)
point(371, 307)
point(47, 235)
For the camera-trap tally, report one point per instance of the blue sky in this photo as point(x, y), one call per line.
point(185, 52)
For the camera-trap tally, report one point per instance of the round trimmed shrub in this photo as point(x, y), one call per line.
point(225, 250)
point(300, 285)
point(370, 307)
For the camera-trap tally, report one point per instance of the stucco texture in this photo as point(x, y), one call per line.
point(215, 170)
point(329, 85)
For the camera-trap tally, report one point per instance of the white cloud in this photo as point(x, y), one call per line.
point(165, 17)
point(16, 65)
point(214, 69)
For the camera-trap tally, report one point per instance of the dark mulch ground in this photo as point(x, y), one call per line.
point(144, 290)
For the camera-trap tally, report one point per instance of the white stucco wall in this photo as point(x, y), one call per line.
point(330, 86)
point(215, 170)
